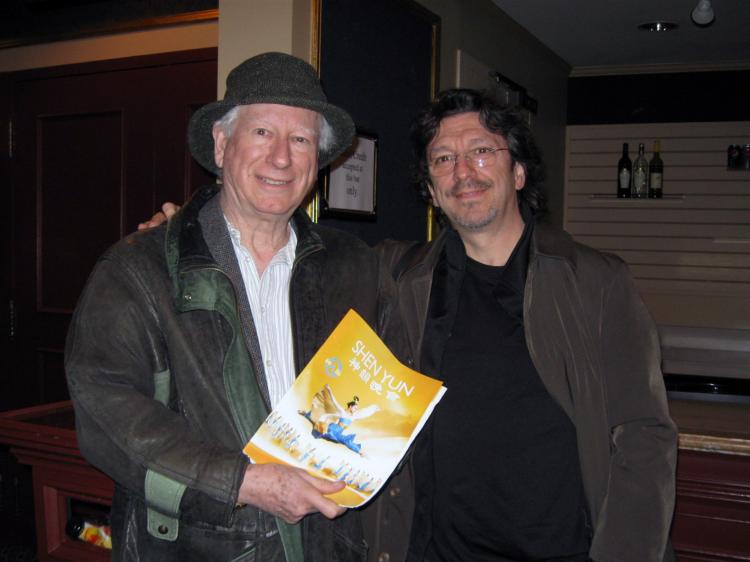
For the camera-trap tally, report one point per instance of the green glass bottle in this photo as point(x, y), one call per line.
point(655, 173)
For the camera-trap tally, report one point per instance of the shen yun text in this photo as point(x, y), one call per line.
point(369, 369)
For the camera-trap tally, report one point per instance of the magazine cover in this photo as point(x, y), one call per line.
point(350, 415)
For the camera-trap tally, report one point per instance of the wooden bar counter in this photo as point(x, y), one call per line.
point(712, 514)
point(64, 483)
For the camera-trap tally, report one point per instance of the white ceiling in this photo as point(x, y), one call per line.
point(604, 33)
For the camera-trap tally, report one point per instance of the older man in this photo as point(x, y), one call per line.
point(554, 440)
point(186, 335)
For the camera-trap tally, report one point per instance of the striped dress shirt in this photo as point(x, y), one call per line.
point(269, 302)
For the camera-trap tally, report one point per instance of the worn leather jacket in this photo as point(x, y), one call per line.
point(164, 371)
point(596, 350)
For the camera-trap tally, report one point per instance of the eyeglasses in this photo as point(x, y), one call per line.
point(480, 157)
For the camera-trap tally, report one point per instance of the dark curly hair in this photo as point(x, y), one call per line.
point(497, 119)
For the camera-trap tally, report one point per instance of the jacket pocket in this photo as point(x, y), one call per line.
point(347, 550)
point(245, 556)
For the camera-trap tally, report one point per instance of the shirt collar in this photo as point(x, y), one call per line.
point(285, 255)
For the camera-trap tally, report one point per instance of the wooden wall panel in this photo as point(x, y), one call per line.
point(689, 252)
point(90, 145)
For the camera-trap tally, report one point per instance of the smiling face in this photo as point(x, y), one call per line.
point(473, 198)
point(269, 161)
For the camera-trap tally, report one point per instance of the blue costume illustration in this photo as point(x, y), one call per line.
point(335, 433)
point(330, 420)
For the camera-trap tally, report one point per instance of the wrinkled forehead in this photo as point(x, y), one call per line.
point(278, 114)
point(465, 130)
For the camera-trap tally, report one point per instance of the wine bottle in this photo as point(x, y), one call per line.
point(624, 171)
point(655, 173)
point(640, 174)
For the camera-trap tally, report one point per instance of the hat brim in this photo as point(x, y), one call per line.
point(200, 129)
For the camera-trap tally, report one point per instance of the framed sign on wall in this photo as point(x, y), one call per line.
point(350, 183)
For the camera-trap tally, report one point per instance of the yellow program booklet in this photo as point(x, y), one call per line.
point(350, 415)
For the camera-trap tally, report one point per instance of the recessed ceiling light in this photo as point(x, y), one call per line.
point(658, 26)
point(703, 14)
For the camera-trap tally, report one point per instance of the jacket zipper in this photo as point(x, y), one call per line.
point(243, 335)
point(292, 312)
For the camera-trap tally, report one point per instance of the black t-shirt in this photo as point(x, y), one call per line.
point(507, 478)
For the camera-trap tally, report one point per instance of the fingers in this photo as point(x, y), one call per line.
point(332, 510)
point(156, 220)
point(327, 507)
point(287, 492)
point(325, 487)
point(169, 209)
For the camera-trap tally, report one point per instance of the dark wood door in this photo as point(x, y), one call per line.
point(96, 148)
point(8, 336)
point(378, 60)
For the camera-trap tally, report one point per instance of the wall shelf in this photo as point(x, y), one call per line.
point(610, 197)
point(688, 251)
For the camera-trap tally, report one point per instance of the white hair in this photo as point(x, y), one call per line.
point(326, 135)
point(227, 122)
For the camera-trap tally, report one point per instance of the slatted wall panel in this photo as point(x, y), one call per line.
point(689, 252)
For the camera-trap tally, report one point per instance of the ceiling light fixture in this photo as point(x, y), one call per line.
point(703, 14)
point(658, 26)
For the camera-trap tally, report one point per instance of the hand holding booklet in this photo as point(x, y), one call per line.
point(351, 415)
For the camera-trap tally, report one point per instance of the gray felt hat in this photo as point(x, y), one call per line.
point(270, 78)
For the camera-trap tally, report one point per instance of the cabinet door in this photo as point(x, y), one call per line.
point(96, 148)
point(712, 514)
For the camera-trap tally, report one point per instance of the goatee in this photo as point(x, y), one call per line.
point(476, 223)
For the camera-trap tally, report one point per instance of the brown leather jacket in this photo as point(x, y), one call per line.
point(165, 374)
point(597, 351)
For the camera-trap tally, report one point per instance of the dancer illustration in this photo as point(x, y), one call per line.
point(330, 420)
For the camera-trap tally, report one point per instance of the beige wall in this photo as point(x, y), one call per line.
point(482, 30)
point(118, 45)
point(249, 28)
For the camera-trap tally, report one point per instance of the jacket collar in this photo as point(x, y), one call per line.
point(186, 248)
point(307, 239)
point(546, 240)
point(552, 242)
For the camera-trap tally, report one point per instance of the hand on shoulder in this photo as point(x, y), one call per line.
point(168, 209)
